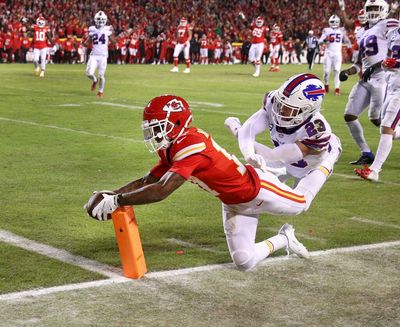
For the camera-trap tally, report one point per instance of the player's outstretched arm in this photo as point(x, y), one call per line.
point(136, 184)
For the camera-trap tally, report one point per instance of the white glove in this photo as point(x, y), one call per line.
point(105, 206)
point(341, 5)
point(256, 161)
point(394, 6)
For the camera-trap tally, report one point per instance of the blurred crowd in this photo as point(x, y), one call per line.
point(146, 30)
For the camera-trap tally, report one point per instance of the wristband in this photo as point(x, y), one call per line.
point(356, 67)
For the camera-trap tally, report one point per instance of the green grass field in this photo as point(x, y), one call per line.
point(59, 143)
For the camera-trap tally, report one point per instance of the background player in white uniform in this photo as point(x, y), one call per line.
point(334, 36)
point(302, 137)
point(100, 35)
point(370, 90)
point(390, 113)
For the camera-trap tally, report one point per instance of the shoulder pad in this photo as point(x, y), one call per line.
point(188, 144)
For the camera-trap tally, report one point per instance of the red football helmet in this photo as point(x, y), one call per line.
point(183, 21)
point(40, 22)
point(362, 17)
point(275, 28)
point(259, 21)
point(165, 118)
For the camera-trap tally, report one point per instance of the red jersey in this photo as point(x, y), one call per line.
point(25, 42)
point(199, 159)
point(276, 38)
point(40, 37)
point(203, 44)
point(183, 33)
point(258, 34)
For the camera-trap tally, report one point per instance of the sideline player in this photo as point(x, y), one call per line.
point(302, 137)
point(41, 36)
point(334, 36)
point(188, 153)
point(184, 35)
point(390, 125)
point(257, 44)
point(99, 35)
point(276, 44)
point(370, 90)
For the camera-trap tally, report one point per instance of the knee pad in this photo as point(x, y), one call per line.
point(243, 259)
point(349, 118)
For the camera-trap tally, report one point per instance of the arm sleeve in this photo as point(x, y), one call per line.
point(285, 153)
point(250, 129)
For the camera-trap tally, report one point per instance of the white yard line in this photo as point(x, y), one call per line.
point(192, 246)
point(374, 222)
point(355, 177)
point(210, 104)
point(61, 255)
point(25, 122)
point(173, 273)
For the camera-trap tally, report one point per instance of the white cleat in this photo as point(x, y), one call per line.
point(233, 124)
point(41, 73)
point(175, 70)
point(294, 246)
point(186, 71)
point(256, 74)
point(37, 70)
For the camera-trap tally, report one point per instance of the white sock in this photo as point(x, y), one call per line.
point(396, 135)
point(278, 242)
point(384, 147)
point(357, 133)
point(312, 183)
point(93, 78)
point(336, 80)
point(102, 82)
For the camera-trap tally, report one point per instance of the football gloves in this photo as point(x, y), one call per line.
point(368, 73)
point(343, 76)
point(256, 161)
point(390, 63)
point(105, 207)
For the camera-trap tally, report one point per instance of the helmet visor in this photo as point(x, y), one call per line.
point(155, 134)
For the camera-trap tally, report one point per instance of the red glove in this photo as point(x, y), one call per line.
point(390, 63)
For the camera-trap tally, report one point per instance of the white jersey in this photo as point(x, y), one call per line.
point(373, 44)
point(314, 133)
point(100, 39)
point(393, 74)
point(359, 33)
point(334, 38)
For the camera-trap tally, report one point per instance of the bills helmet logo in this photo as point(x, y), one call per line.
point(312, 92)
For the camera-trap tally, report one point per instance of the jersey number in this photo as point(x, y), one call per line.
point(369, 46)
point(96, 39)
point(396, 51)
point(257, 32)
point(335, 38)
point(40, 36)
point(315, 127)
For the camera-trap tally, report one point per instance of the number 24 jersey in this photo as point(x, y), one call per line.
point(100, 37)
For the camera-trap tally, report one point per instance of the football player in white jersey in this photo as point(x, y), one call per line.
point(370, 90)
point(100, 35)
point(390, 114)
point(334, 36)
point(303, 138)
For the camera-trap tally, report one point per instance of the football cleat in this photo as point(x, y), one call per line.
point(256, 74)
point(294, 246)
point(93, 87)
point(337, 91)
point(366, 158)
point(326, 88)
point(100, 94)
point(233, 124)
point(186, 71)
point(367, 173)
point(37, 70)
point(41, 73)
point(175, 70)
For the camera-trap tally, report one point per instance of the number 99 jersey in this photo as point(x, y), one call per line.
point(315, 133)
point(100, 38)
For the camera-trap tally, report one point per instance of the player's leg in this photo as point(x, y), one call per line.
point(90, 71)
point(43, 55)
point(259, 49)
point(252, 54)
point(178, 49)
point(36, 56)
point(327, 70)
point(102, 64)
point(358, 101)
point(337, 63)
point(186, 54)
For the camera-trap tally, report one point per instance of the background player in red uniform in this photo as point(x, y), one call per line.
point(41, 34)
point(257, 44)
point(184, 35)
point(276, 40)
point(188, 153)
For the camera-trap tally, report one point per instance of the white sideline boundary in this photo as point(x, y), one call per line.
point(61, 255)
point(192, 245)
point(172, 273)
point(374, 222)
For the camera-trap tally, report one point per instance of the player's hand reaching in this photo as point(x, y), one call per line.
point(256, 161)
point(341, 5)
point(390, 63)
point(101, 205)
point(344, 75)
point(368, 73)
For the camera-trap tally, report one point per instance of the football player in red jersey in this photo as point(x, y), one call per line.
point(184, 35)
point(257, 44)
point(41, 34)
point(190, 154)
point(276, 44)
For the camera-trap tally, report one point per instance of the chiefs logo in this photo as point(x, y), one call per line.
point(173, 105)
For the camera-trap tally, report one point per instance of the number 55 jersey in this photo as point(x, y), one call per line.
point(315, 133)
point(100, 38)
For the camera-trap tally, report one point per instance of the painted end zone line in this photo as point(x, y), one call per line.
point(61, 255)
point(172, 273)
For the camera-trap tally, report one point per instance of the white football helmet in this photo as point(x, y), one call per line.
point(259, 21)
point(300, 97)
point(183, 21)
point(334, 21)
point(376, 10)
point(310, 32)
point(100, 19)
point(40, 22)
